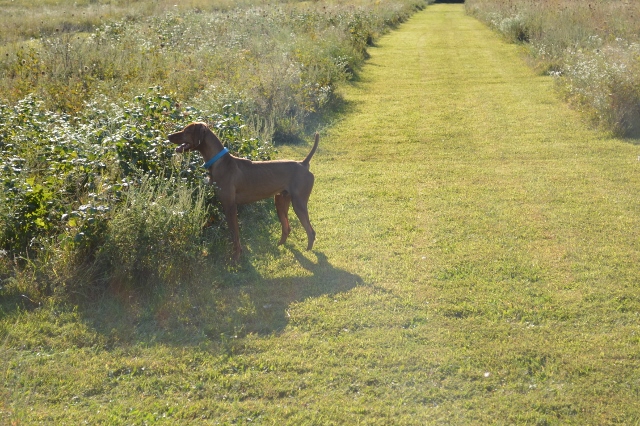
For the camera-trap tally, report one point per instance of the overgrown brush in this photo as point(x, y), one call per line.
point(38, 18)
point(156, 235)
point(74, 186)
point(592, 47)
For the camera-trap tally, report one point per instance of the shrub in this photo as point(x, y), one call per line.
point(515, 28)
point(71, 184)
point(615, 99)
point(155, 235)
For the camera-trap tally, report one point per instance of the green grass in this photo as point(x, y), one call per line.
point(476, 263)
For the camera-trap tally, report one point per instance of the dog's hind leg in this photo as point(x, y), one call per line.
point(300, 207)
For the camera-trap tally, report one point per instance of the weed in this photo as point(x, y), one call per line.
point(155, 235)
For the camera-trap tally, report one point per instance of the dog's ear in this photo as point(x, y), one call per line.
point(201, 132)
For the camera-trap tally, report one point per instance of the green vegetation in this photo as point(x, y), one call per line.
point(476, 263)
point(88, 195)
point(592, 48)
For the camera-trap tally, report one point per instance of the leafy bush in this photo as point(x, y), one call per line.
point(66, 179)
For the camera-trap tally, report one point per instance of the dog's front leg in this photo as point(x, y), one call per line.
point(231, 214)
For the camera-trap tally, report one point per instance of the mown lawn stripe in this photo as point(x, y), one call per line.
point(515, 224)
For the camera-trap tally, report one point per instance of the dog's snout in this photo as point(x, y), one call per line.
point(178, 139)
point(174, 137)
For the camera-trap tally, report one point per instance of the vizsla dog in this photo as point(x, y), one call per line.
point(240, 181)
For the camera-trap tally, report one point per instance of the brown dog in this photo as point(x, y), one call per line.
point(240, 181)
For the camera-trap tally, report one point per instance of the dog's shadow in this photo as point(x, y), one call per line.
point(263, 306)
point(219, 306)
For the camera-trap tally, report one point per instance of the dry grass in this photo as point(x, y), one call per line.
point(280, 60)
point(34, 19)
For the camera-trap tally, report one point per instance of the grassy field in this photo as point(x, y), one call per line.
point(476, 263)
point(278, 60)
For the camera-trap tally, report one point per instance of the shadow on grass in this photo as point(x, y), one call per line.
point(224, 303)
point(268, 300)
point(633, 139)
point(205, 302)
point(336, 109)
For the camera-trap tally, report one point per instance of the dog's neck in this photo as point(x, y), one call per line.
point(210, 146)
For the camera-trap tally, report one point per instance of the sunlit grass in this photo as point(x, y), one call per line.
point(475, 264)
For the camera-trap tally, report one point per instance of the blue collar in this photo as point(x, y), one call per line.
point(216, 158)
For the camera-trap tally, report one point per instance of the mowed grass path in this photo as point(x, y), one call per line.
point(505, 230)
point(476, 263)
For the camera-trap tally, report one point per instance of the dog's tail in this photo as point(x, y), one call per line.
point(306, 161)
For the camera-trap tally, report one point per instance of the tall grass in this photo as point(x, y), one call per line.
point(282, 60)
point(592, 47)
point(156, 235)
point(37, 18)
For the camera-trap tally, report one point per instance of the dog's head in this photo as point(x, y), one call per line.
point(191, 137)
